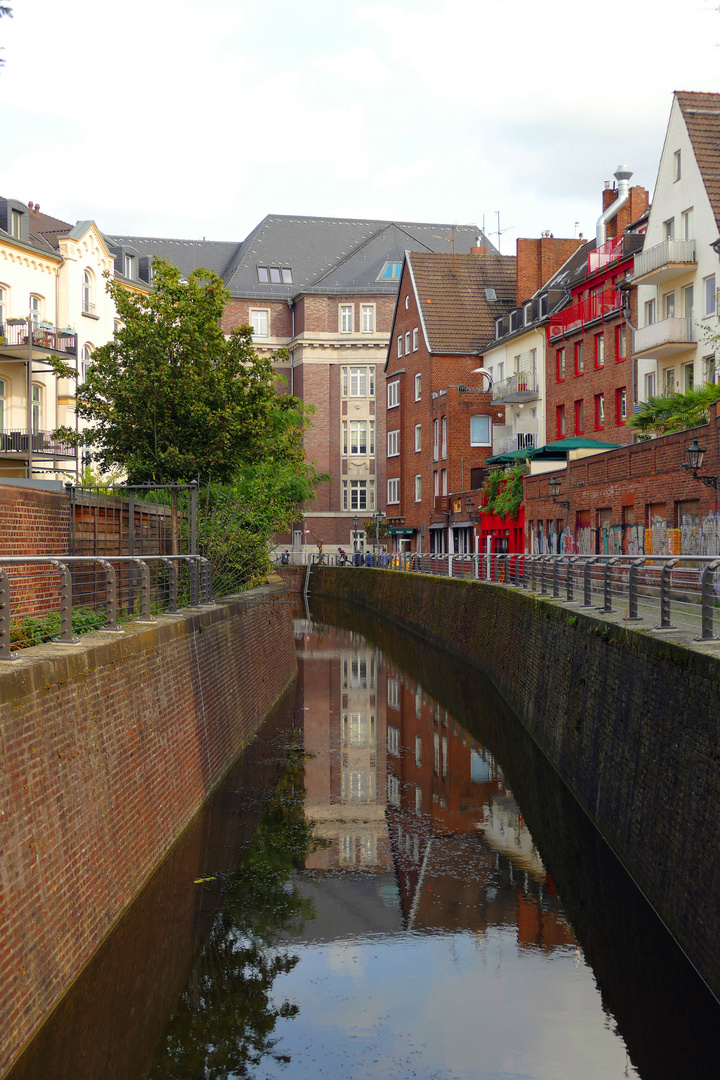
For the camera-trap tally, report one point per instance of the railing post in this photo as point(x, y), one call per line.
point(569, 581)
point(66, 634)
point(587, 583)
point(543, 586)
point(172, 566)
point(607, 608)
point(206, 581)
point(665, 573)
point(193, 510)
point(450, 566)
point(111, 625)
point(145, 616)
point(633, 590)
point(556, 578)
point(517, 572)
point(5, 651)
point(707, 601)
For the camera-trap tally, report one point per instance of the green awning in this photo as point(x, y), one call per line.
point(564, 446)
point(401, 532)
point(511, 456)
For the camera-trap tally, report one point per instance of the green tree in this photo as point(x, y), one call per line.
point(171, 399)
point(664, 413)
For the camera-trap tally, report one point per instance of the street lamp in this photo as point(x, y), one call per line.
point(695, 455)
point(377, 518)
point(554, 485)
point(355, 536)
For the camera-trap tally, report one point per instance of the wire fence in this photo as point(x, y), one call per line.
point(57, 598)
point(663, 593)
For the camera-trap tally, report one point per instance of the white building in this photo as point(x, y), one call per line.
point(678, 273)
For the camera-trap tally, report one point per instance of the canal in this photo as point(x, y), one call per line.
point(391, 883)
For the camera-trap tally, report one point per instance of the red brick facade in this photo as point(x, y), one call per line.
point(538, 260)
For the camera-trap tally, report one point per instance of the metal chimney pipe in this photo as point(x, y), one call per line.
point(622, 175)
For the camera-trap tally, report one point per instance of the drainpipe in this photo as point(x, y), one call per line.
point(622, 175)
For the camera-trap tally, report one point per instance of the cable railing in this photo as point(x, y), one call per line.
point(665, 593)
point(53, 599)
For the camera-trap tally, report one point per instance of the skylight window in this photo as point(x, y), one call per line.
point(391, 271)
point(275, 275)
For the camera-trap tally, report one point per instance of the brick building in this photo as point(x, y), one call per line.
point(324, 289)
point(440, 415)
point(589, 383)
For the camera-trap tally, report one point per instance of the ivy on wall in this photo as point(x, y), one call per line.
point(502, 492)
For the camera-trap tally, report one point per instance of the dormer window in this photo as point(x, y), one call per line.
point(499, 326)
point(128, 266)
point(391, 271)
point(275, 275)
point(527, 314)
point(16, 224)
point(514, 319)
point(543, 305)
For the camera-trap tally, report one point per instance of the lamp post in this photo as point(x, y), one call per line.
point(695, 455)
point(355, 538)
point(554, 487)
point(377, 518)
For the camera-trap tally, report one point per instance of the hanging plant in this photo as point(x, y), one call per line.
point(502, 492)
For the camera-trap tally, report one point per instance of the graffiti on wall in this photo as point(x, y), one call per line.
point(695, 536)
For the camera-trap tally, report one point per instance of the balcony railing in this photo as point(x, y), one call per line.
point(666, 259)
point(37, 443)
point(664, 335)
point(578, 315)
point(523, 385)
point(15, 334)
point(608, 252)
point(520, 440)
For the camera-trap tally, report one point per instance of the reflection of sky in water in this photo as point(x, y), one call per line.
point(444, 1007)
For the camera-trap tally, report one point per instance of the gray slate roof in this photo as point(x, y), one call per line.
point(187, 255)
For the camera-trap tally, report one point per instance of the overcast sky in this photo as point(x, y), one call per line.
point(192, 119)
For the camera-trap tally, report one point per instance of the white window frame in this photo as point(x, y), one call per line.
point(677, 166)
point(687, 222)
point(393, 490)
point(710, 295)
point(36, 310)
point(393, 443)
point(37, 403)
point(4, 395)
point(88, 292)
point(443, 444)
point(393, 394)
point(418, 438)
point(444, 482)
point(367, 318)
point(436, 483)
point(481, 442)
point(357, 382)
point(257, 317)
point(415, 339)
point(399, 346)
point(418, 386)
point(346, 318)
point(418, 487)
point(407, 342)
point(128, 266)
point(436, 435)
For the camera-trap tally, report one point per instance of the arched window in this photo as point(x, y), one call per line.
point(85, 360)
point(88, 293)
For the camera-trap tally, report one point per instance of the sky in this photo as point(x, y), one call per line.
point(194, 119)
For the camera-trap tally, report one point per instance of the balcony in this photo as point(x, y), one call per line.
point(16, 341)
point(38, 443)
point(664, 338)
point(522, 386)
point(507, 442)
point(664, 261)
point(582, 313)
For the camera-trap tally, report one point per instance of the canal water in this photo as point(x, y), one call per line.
point(391, 883)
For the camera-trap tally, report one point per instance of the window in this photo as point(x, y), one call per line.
point(579, 418)
point(407, 342)
point(393, 438)
point(355, 437)
point(560, 421)
point(86, 360)
point(3, 395)
point(677, 165)
point(259, 320)
point(418, 487)
point(689, 299)
point(87, 293)
point(36, 408)
point(687, 222)
point(436, 445)
point(443, 448)
point(391, 271)
point(346, 318)
point(129, 266)
point(527, 314)
point(560, 364)
point(620, 405)
point(415, 337)
point(669, 229)
point(393, 740)
point(418, 437)
point(417, 386)
point(276, 275)
point(650, 385)
point(443, 478)
point(393, 490)
point(599, 350)
point(418, 751)
point(393, 394)
point(688, 372)
point(399, 351)
point(710, 295)
point(579, 358)
point(393, 693)
point(669, 376)
point(355, 382)
point(393, 790)
point(710, 368)
point(599, 411)
point(16, 224)
point(480, 430)
point(499, 326)
point(3, 300)
point(367, 317)
point(649, 312)
point(407, 301)
point(436, 483)
point(358, 491)
point(621, 342)
point(670, 305)
point(35, 311)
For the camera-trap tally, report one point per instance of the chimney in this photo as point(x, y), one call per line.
point(478, 251)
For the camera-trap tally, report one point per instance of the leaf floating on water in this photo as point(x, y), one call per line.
point(199, 880)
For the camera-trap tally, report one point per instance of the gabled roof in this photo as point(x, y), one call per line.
point(47, 230)
point(701, 113)
point(335, 255)
point(450, 292)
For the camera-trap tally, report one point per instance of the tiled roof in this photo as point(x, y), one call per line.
point(457, 314)
point(47, 230)
point(701, 113)
point(187, 255)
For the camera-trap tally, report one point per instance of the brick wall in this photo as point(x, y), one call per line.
point(110, 747)
point(538, 260)
point(629, 722)
point(33, 522)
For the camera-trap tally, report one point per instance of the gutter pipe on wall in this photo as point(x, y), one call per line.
point(622, 175)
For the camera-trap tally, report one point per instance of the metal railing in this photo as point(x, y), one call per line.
point(40, 595)
point(15, 332)
point(665, 332)
point(669, 251)
point(581, 312)
point(666, 593)
point(22, 441)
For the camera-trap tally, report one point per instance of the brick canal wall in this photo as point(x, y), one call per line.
point(630, 722)
point(109, 749)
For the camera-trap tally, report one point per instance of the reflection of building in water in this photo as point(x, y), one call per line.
point(464, 857)
point(342, 690)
